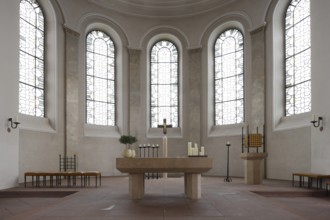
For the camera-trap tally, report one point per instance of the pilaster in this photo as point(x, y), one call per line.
point(71, 91)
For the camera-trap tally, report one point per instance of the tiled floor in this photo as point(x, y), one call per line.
point(164, 199)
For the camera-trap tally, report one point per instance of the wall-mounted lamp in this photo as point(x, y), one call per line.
point(13, 124)
point(318, 122)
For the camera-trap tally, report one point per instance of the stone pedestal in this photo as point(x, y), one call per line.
point(136, 185)
point(192, 185)
point(252, 167)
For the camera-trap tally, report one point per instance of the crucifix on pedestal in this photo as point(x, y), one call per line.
point(165, 126)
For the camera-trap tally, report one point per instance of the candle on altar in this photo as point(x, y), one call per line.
point(189, 149)
point(196, 150)
point(202, 152)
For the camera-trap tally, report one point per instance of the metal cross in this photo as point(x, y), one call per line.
point(165, 126)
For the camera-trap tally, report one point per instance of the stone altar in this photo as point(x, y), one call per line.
point(192, 167)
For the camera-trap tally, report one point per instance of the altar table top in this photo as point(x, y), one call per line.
point(161, 164)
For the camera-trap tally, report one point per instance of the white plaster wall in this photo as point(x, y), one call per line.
point(293, 144)
point(288, 139)
point(41, 140)
point(9, 93)
point(320, 84)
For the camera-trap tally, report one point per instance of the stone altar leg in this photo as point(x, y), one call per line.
point(192, 185)
point(136, 185)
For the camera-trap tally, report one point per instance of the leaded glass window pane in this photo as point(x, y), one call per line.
point(164, 88)
point(229, 78)
point(298, 57)
point(31, 59)
point(100, 79)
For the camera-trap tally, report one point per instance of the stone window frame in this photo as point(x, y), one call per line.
point(241, 23)
point(96, 22)
point(275, 70)
point(52, 64)
point(178, 63)
point(295, 54)
point(243, 75)
point(153, 37)
point(114, 80)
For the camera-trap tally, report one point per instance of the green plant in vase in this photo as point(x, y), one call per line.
point(128, 140)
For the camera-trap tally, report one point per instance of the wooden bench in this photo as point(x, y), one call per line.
point(310, 177)
point(71, 177)
point(32, 175)
point(88, 174)
point(327, 187)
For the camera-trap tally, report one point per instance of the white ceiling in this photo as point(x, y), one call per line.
point(162, 8)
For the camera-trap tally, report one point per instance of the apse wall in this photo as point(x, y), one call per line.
point(193, 36)
point(291, 143)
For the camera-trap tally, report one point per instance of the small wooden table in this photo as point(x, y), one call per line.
point(192, 167)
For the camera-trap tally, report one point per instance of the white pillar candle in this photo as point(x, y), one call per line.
point(202, 152)
point(189, 149)
point(313, 117)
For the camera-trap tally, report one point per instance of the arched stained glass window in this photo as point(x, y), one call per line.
point(298, 58)
point(164, 84)
point(32, 59)
point(100, 79)
point(229, 78)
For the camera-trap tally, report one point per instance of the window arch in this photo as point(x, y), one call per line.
point(100, 79)
point(297, 58)
point(229, 78)
point(164, 84)
point(32, 59)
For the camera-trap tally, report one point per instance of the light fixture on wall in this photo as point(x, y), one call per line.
point(13, 124)
point(318, 122)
